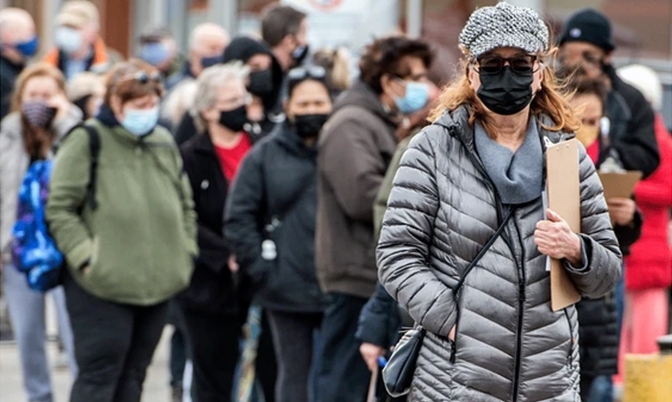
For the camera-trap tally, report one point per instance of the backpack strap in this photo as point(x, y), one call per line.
point(482, 252)
point(94, 150)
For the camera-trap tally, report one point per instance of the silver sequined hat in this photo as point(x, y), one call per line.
point(504, 25)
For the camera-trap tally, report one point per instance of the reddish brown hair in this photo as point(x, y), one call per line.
point(550, 100)
point(120, 82)
point(35, 143)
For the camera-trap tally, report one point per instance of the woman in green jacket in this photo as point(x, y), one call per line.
point(127, 232)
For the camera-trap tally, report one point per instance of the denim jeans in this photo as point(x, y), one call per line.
point(27, 317)
point(601, 390)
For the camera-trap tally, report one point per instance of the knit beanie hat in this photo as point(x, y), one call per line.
point(588, 25)
point(504, 25)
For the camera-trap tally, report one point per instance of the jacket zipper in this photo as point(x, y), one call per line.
point(571, 337)
point(521, 271)
point(521, 305)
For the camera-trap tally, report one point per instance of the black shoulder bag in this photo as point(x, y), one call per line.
point(399, 370)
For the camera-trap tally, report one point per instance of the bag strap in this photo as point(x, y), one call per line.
point(482, 252)
point(274, 219)
point(94, 150)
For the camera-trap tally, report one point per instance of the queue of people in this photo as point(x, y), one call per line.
point(242, 189)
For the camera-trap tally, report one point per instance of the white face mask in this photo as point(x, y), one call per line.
point(68, 39)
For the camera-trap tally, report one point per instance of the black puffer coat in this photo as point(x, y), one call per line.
point(509, 345)
point(277, 181)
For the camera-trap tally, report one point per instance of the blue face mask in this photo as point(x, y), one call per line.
point(210, 61)
point(140, 122)
point(28, 48)
point(154, 53)
point(417, 95)
point(68, 40)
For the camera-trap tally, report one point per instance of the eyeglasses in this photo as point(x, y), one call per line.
point(493, 64)
point(301, 73)
point(143, 77)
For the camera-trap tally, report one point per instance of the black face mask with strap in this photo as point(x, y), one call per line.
point(506, 92)
point(234, 119)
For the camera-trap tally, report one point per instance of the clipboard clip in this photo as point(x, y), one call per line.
point(548, 142)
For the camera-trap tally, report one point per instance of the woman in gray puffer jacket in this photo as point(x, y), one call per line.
point(481, 164)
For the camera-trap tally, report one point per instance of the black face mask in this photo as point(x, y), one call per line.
point(505, 92)
point(234, 119)
point(300, 54)
point(261, 82)
point(309, 125)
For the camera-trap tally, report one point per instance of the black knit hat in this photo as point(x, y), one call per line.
point(588, 25)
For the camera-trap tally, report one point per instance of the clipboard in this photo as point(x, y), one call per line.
point(562, 189)
point(619, 185)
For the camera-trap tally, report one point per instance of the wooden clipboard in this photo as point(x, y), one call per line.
point(619, 185)
point(562, 188)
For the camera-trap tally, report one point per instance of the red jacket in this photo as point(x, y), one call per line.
point(650, 262)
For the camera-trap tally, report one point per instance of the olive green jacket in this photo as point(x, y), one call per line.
point(138, 245)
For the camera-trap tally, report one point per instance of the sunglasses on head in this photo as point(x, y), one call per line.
point(144, 77)
point(492, 64)
point(300, 73)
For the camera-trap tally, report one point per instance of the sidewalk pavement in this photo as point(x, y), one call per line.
point(156, 388)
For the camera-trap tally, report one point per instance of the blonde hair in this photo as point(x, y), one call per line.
point(85, 84)
point(179, 101)
point(551, 99)
point(337, 64)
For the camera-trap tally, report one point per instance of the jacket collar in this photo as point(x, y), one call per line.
point(457, 123)
point(361, 95)
point(203, 143)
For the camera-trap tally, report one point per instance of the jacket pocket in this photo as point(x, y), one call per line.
point(453, 343)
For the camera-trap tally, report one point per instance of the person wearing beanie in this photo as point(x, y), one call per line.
point(649, 274)
point(586, 49)
point(466, 237)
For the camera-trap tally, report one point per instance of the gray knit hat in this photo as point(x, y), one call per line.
point(504, 25)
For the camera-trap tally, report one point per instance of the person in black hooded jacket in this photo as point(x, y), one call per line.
point(270, 223)
point(585, 54)
point(265, 85)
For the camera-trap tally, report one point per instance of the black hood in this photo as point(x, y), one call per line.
point(243, 48)
point(361, 95)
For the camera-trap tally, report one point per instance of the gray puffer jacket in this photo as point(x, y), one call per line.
point(510, 345)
